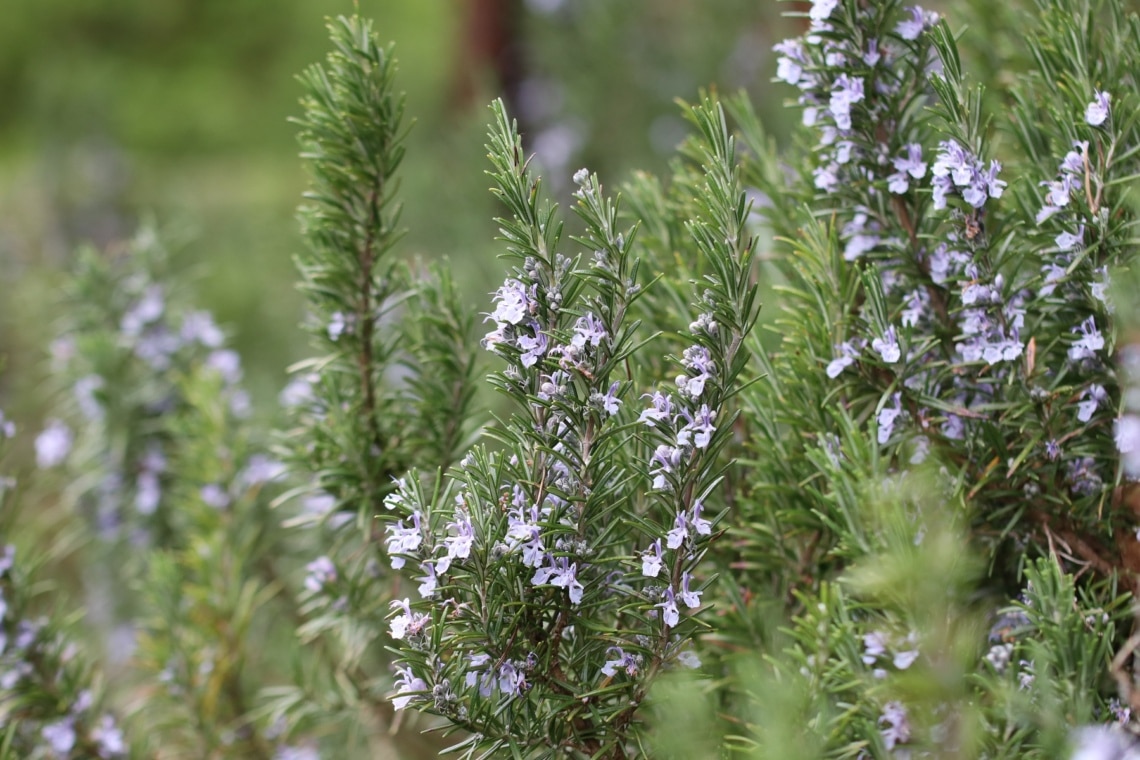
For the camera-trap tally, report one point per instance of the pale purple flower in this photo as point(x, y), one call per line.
point(846, 91)
point(1092, 397)
point(403, 540)
point(321, 572)
point(919, 21)
point(338, 323)
point(53, 444)
point(408, 622)
point(887, 417)
point(84, 391)
point(610, 401)
point(108, 738)
point(148, 309)
point(826, 177)
point(905, 658)
point(514, 303)
point(692, 599)
point(199, 327)
point(566, 576)
point(1089, 342)
point(670, 614)
point(697, 359)
point(588, 330)
point(1097, 111)
point(298, 391)
point(888, 346)
point(665, 461)
point(661, 410)
point(652, 559)
point(7, 427)
point(680, 531)
point(873, 54)
point(458, 545)
point(848, 353)
point(532, 348)
point(789, 66)
point(261, 469)
point(60, 735)
point(407, 684)
point(226, 363)
point(896, 726)
point(1127, 437)
point(148, 491)
point(1067, 241)
point(1101, 743)
point(699, 524)
point(699, 429)
point(623, 661)
point(821, 9)
point(512, 679)
point(908, 165)
point(213, 495)
point(428, 581)
point(1052, 274)
point(946, 264)
point(874, 645)
point(478, 675)
point(1052, 450)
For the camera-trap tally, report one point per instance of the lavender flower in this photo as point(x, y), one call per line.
point(403, 540)
point(699, 428)
point(1097, 111)
point(561, 573)
point(407, 685)
point(428, 581)
point(458, 545)
point(661, 410)
point(146, 311)
point(652, 559)
point(957, 170)
point(846, 91)
point(1068, 241)
point(670, 614)
point(321, 572)
point(920, 20)
point(896, 726)
point(588, 331)
point(1127, 437)
point(623, 661)
point(214, 495)
point(53, 444)
point(1092, 396)
point(610, 401)
point(60, 736)
point(821, 9)
point(664, 462)
point(874, 645)
point(1089, 342)
point(908, 165)
point(888, 346)
point(679, 533)
point(848, 352)
point(887, 417)
point(692, 599)
point(408, 623)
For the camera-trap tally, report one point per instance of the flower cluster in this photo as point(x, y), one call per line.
point(35, 658)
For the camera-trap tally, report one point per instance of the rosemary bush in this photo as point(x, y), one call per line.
point(898, 519)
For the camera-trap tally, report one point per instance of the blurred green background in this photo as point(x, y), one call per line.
point(176, 110)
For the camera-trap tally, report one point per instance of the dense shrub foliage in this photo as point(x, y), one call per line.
point(906, 525)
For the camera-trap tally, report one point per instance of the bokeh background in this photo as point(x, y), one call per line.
point(114, 112)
